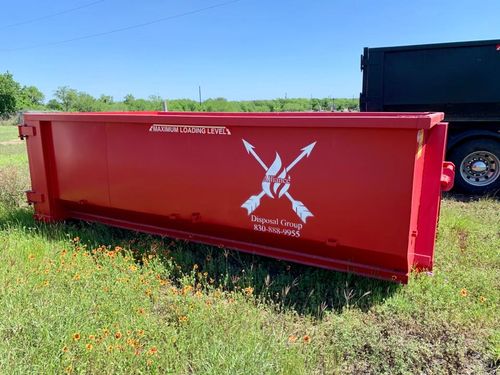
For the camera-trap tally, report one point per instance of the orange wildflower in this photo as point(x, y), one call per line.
point(89, 347)
point(65, 349)
point(187, 289)
point(153, 350)
point(76, 336)
point(183, 319)
point(140, 332)
point(118, 335)
point(248, 291)
point(307, 339)
point(464, 292)
point(76, 277)
point(292, 338)
point(140, 311)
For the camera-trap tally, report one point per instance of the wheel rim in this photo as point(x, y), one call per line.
point(480, 168)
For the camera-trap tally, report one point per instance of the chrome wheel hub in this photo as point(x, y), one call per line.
point(480, 168)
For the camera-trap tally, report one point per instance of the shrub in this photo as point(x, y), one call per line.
point(13, 184)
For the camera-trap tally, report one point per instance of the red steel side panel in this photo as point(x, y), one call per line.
point(428, 211)
point(331, 190)
point(81, 162)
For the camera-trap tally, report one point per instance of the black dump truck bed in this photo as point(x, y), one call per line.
point(460, 79)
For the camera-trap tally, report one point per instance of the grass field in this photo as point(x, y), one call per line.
point(85, 298)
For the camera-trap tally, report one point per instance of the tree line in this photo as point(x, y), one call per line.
point(16, 98)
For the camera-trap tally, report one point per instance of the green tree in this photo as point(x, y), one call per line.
point(66, 97)
point(29, 97)
point(54, 105)
point(86, 103)
point(9, 90)
point(106, 99)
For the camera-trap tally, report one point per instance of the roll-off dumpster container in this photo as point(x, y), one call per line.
point(356, 192)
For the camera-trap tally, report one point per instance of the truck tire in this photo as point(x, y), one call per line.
point(477, 164)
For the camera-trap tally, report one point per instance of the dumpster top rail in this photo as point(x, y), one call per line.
point(410, 120)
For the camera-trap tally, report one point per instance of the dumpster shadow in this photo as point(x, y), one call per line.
point(284, 286)
point(459, 197)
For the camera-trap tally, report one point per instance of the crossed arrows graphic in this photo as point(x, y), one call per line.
point(253, 202)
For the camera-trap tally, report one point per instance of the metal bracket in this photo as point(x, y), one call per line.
point(447, 176)
point(26, 131)
point(34, 197)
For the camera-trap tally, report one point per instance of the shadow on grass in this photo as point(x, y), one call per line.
point(459, 197)
point(284, 285)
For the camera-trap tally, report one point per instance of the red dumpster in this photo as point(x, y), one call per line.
point(356, 192)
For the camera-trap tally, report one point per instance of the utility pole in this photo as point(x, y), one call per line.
point(165, 105)
point(199, 94)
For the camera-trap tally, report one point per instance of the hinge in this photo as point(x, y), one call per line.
point(34, 197)
point(26, 131)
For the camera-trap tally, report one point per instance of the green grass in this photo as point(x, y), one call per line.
point(11, 152)
point(8, 131)
point(146, 304)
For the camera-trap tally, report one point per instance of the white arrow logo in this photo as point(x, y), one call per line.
point(276, 182)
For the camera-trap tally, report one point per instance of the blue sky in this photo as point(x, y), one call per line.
point(248, 49)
